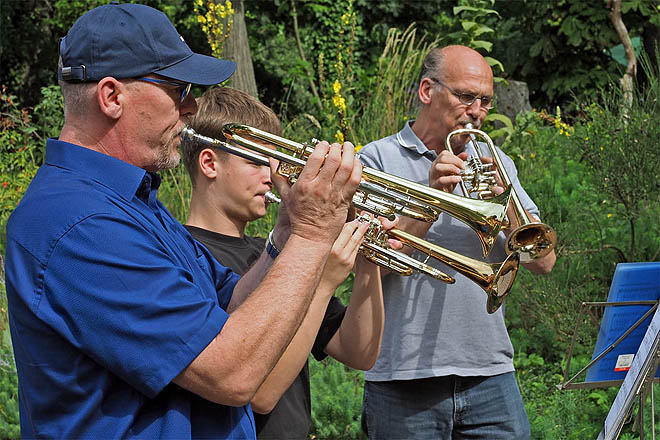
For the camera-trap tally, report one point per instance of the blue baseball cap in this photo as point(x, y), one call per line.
point(130, 41)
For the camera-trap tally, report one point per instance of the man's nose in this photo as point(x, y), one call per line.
point(266, 176)
point(189, 105)
point(474, 110)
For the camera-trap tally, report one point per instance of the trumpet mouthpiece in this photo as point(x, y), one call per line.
point(187, 134)
point(271, 198)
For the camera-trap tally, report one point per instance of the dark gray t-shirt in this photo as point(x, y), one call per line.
point(433, 328)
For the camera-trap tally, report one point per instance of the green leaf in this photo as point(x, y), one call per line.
point(481, 44)
point(493, 62)
point(458, 9)
point(467, 25)
point(501, 118)
point(483, 30)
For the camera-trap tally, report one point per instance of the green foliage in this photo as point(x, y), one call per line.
point(21, 153)
point(391, 91)
point(596, 184)
point(9, 415)
point(561, 48)
point(336, 401)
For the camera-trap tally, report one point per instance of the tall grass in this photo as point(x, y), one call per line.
point(391, 95)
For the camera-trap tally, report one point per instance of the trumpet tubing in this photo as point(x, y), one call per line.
point(495, 279)
point(385, 194)
point(271, 197)
point(376, 249)
point(531, 239)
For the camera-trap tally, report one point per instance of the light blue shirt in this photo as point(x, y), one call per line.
point(433, 328)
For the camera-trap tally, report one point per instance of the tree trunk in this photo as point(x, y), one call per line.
point(237, 49)
point(631, 69)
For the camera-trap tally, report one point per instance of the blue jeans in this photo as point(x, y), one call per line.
point(446, 407)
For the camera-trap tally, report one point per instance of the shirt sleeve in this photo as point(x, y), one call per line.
point(368, 156)
point(117, 294)
point(334, 315)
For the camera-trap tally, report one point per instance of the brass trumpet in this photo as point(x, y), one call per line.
point(376, 249)
point(393, 194)
point(380, 193)
point(531, 239)
point(495, 279)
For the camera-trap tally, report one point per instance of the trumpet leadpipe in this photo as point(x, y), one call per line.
point(395, 194)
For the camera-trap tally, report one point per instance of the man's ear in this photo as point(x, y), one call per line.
point(208, 163)
point(424, 91)
point(110, 96)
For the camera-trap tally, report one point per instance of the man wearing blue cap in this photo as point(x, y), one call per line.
point(120, 321)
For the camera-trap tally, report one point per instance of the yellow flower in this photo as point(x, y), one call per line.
point(339, 102)
point(532, 155)
point(201, 19)
point(339, 137)
point(336, 86)
point(358, 147)
point(601, 148)
point(609, 215)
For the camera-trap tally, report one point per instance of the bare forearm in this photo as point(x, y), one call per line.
point(295, 356)
point(250, 280)
point(542, 265)
point(357, 342)
point(256, 334)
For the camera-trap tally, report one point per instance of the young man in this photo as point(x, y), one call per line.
point(228, 192)
point(446, 366)
point(122, 325)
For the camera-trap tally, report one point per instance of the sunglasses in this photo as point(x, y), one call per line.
point(185, 87)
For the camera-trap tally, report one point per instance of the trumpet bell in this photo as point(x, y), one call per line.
point(503, 281)
point(532, 241)
point(495, 279)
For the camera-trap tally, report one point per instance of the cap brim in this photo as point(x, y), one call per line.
point(200, 69)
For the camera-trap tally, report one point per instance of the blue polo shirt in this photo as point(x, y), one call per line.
point(110, 298)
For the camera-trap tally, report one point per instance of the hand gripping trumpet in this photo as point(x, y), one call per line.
point(531, 239)
point(379, 193)
point(386, 195)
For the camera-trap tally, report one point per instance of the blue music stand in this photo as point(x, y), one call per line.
point(633, 298)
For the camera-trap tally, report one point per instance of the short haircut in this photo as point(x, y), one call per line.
point(77, 96)
point(219, 106)
point(432, 65)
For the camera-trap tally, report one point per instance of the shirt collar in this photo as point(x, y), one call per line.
point(122, 177)
point(408, 139)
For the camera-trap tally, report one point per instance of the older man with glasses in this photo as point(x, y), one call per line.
point(123, 326)
point(445, 368)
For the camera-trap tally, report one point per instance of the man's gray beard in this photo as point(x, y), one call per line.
point(166, 160)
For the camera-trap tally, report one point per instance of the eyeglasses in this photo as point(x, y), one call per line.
point(468, 98)
point(185, 87)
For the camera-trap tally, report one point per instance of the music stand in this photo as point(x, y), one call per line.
point(633, 299)
point(637, 383)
